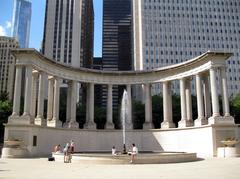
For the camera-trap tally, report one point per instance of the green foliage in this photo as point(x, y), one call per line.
point(5, 111)
point(235, 108)
point(138, 112)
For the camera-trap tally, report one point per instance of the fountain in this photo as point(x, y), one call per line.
point(124, 118)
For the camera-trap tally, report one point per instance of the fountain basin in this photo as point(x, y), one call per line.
point(141, 158)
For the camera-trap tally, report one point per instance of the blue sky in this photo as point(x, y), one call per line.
point(38, 12)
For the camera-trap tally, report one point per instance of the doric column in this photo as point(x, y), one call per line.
point(201, 119)
point(167, 106)
point(215, 102)
point(55, 121)
point(50, 98)
point(207, 101)
point(27, 97)
point(34, 93)
point(129, 92)
point(109, 124)
point(90, 109)
point(41, 96)
point(184, 122)
point(73, 123)
point(189, 101)
point(148, 107)
point(225, 101)
point(17, 91)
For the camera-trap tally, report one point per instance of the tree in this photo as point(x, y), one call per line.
point(235, 108)
point(5, 111)
point(138, 114)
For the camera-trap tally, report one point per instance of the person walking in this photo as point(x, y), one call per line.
point(133, 152)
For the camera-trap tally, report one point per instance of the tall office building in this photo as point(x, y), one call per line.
point(169, 32)
point(21, 21)
point(116, 48)
point(68, 32)
point(7, 62)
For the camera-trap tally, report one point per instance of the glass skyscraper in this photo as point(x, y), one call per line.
point(117, 53)
point(21, 21)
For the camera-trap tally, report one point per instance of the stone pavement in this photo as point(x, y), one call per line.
point(215, 168)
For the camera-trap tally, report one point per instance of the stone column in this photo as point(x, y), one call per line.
point(41, 95)
point(189, 102)
point(167, 106)
point(207, 101)
point(148, 107)
point(109, 124)
point(215, 118)
point(129, 92)
point(55, 121)
point(225, 100)
point(34, 93)
point(27, 98)
point(90, 120)
point(50, 98)
point(17, 92)
point(201, 119)
point(215, 102)
point(73, 123)
point(184, 121)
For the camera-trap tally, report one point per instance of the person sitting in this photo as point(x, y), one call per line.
point(114, 151)
point(133, 152)
point(57, 149)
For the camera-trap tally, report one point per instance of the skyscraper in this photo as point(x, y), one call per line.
point(117, 53)
point(68, 32)
point(169, 32)
point(7, 62)
point(21, 21)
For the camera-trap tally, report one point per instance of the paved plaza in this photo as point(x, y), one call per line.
point(219, 168)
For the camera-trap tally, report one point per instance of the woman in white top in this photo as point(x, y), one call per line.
point(133, 153)
point(114, 151)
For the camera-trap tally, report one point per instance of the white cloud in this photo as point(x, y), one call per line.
point(8, 24)
point(2, 31)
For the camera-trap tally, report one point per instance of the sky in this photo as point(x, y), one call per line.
point(37, 23)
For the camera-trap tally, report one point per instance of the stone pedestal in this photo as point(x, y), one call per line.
point(109, 125)
point(54, 123)
point(167, 125)
point(225, 152)
point(184, 123)
point(41, 122)
point(221, 120)
point(90, 125)
point(200, 122)
point(148, 125)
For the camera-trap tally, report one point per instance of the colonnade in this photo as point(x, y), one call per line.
point(33, 112)
point(208, 70)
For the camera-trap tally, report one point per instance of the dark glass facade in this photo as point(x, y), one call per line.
point(117, 15)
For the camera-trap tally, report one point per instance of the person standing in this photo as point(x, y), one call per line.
point(133, 152)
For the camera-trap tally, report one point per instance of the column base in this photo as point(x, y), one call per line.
point(148, 125)
point(90, 125)
point(200, 122)
point(24, 119)
point(167, 125)
point(72, 125)
point(54, 123)
point(221, 120)
point(41, 121)
point(109, 125)
point(184, 123)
